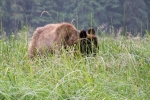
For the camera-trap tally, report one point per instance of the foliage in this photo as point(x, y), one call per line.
point(120, 70)
point(133, 15)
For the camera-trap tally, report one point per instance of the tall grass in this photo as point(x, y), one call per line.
point(120, 70)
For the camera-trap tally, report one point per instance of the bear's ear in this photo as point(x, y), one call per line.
point(91, 31)
point(83, 34)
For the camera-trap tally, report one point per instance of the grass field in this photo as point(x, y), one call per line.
point(120, 71)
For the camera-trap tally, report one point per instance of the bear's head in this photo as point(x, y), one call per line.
point(88, 42)
point(67, 34)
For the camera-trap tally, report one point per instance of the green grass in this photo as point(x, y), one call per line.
point(121, 70)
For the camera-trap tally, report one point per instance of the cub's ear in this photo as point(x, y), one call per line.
point(91, 31)
point(83, 34)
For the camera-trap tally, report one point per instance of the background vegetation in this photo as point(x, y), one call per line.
point(133, 15)
point(120, 70)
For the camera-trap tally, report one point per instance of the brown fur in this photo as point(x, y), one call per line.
point(52, 37)
point(91, 31)
point(88, 42)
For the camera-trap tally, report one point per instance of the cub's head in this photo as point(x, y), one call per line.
point(91, 31)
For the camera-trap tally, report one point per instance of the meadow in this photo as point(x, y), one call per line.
point(119, 71)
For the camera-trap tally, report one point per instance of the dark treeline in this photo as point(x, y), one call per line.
point(132, 15)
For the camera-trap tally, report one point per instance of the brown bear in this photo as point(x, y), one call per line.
point(88, 42)
point(52, 37)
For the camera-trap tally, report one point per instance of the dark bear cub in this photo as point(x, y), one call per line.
point(88, 42)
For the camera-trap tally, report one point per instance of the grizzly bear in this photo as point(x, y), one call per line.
point(52, 37)
point(88, 42)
